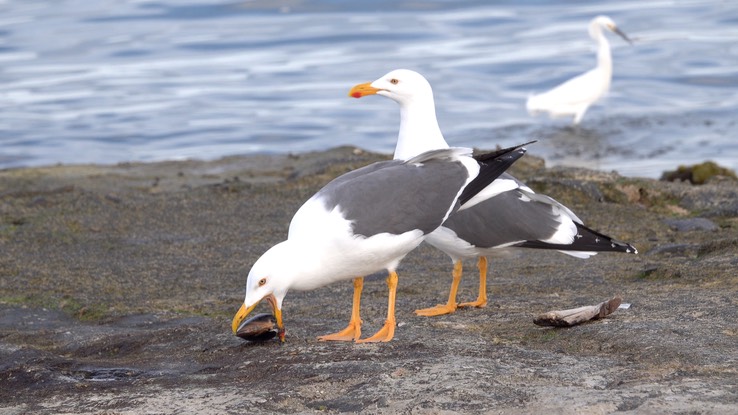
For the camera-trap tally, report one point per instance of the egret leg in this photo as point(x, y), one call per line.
point(579, 115)
point(387, 332)
point(353, 330)
point(482, 297)
point(450, 305)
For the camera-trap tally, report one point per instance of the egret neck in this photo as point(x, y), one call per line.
point(604, 57)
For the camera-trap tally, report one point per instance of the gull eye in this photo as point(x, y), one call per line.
point(394, 81)
point(262, 281)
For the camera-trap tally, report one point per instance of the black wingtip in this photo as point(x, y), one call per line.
point(587, 240)
point(491, 166)
point(497, 153)
point(603, 242)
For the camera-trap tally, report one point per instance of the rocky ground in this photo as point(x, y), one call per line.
point(118, 285)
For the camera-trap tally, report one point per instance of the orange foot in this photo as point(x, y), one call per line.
point(385, 334)
point(438, 310)
point(350, 333)
point(482, 297)
point(480, 303)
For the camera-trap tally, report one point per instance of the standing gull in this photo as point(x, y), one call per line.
point(574, 96)
point(506, 214)
point(365, 221)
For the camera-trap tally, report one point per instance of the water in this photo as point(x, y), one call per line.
point(108, 81)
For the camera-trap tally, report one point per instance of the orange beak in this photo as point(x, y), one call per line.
point(362, 90)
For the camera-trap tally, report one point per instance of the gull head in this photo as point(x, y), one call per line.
point(269, 279)
point(401, 85)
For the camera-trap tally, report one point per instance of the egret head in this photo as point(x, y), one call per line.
point(604, 22)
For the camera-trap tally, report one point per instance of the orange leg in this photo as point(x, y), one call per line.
point(482, 298)
point(353, 331)
point(450, 306)
point(387, 332)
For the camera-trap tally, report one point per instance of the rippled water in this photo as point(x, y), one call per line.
point(106, 81)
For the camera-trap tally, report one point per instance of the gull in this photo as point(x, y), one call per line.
point(506, 214)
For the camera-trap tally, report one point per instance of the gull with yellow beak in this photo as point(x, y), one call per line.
point(506, 214)
point(366, 221)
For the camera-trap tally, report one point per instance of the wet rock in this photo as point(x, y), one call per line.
point(104, 374)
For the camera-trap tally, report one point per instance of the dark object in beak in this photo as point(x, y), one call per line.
point(258, 328)
point(621, 34)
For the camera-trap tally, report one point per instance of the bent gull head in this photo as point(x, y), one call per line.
point(269, 279)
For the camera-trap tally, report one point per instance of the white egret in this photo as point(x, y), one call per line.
point(574, 96)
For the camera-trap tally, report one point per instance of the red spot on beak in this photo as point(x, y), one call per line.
point(356, 95)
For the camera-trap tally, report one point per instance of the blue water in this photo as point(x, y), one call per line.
point(107, 81)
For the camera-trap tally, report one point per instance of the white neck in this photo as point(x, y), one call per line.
point(604, 57)
point(419, 131)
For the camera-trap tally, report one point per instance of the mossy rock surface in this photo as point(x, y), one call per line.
point(699, 173)
point(118, 285)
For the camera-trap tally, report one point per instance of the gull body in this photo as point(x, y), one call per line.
point(575, 96)
point(506, 214)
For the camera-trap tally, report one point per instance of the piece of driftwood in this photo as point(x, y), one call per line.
point(574, 316)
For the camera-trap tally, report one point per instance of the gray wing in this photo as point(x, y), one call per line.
point(396, 196)
point(528, 219)
point(504, 219)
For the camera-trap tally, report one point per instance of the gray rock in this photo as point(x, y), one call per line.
point(674, 249)
point(691, 224)
point(712, 201)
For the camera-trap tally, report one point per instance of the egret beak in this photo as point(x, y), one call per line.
point(362, 90)
point(621, 34)
point(244, 311)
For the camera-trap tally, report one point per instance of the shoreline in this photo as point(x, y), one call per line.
point(119, 282)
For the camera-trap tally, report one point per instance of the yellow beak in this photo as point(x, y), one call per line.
point(362, 90)
point(244, 311)
point(240, 315)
